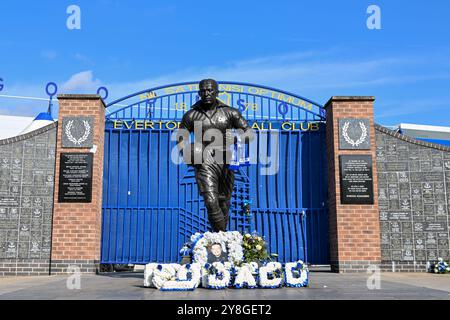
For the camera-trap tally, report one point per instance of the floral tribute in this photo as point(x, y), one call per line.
point(216, 276)
point(441, 267)
point(271, 275)
point(243, 262)
point(255, 248)
point(231, 243)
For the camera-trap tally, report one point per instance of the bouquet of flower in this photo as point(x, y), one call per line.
point(255, 248)
point(441, 266)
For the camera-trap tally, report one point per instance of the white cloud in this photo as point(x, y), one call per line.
point(82, 82)
point(305, 73)
point(316, 75)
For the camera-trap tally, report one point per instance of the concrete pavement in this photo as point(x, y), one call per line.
point(323, 285)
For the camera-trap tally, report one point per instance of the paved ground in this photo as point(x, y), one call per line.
point(323, 285)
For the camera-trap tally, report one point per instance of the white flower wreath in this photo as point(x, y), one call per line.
point(276, 280)
point(163, 273)
point(219, 279)
point(188, 278)
point(230, 241)
point(246, 274)
point(296, 274)
point(148, 274)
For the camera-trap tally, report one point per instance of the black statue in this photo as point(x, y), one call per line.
point(210, 153)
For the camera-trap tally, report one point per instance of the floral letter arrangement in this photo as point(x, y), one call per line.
point(244, 265)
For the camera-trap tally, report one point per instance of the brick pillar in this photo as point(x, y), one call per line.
point(354, 230)
point(76, 233)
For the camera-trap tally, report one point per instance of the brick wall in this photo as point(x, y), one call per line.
point(354, 230)
point(77, 226)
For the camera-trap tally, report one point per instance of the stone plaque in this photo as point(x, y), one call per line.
point(9, 201)
point(354, 134)
point(356, 179)
point(75, 178)
point(77, 132)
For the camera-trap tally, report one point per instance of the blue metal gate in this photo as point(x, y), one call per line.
point(151, 205)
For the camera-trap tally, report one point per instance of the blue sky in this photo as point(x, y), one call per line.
point(316, 49)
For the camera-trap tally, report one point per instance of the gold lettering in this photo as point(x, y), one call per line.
point(149, 124)
point(180, 106)
point(168, 125)
point(139, 125)
point(253, 90)
point(193, 87)
point(273, 94)
point(315, 126)
point(180, 89)
point(118, 124)
point(237, 88)
point(128, 126)
point(255, 126)
point(170, 90)
point(307, 126)
point(283, 126)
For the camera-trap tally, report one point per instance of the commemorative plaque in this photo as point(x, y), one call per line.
point(75, 178)
point(356, 179)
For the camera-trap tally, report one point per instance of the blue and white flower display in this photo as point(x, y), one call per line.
point(216, 276)
point(148, 274)
point(296, 274)
point(231, 273)
point(441, 266)
point(246, 276)
point(271, 275)
point(230, 241)
point(164, 273)
point(188, 278)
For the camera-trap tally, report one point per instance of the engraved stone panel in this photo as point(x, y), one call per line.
point(413, 199)
point(24, 190)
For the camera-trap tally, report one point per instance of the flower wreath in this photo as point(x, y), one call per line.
point(441, 266)
point(296, 274)
point(271, 275)
point(148, 274)
point(246, 276)
point(216, 276)
point(163, 273)
point(230, 241)
point(188, 278)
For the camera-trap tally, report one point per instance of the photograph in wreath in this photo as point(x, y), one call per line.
point(216, 253)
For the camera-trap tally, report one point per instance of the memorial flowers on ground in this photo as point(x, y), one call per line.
point(441, 267)
point(226, 259)
point(255, 248)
